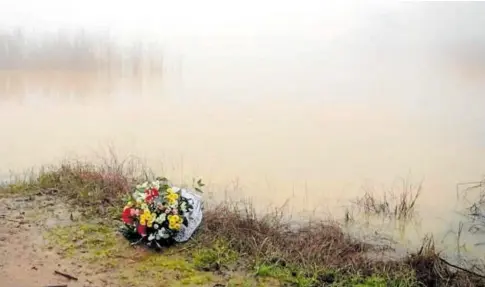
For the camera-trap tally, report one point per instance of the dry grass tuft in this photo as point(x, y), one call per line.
point(96, 189)
point(394, 203)
point(432, 270)
point(268, 237)
point(322, 252)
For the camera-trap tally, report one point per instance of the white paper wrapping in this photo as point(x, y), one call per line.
point(194, 218)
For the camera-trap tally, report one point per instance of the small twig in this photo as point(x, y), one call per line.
point(136, 242)
point(47, 204)
point(158, 245)
point(476, 184)
point(460, 229)
point(461, 268)
point(126, 258)
point(70, 277)
point(176, 251)
point(17, 221)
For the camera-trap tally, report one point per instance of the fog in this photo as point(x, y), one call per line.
point(269, 100)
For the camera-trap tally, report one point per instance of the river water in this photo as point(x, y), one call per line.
point(274, 102)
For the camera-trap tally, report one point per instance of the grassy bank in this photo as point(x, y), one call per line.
point(234, 247)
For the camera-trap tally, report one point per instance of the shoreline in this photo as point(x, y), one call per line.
point(235, 246)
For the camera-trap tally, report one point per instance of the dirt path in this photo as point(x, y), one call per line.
point(25, 259)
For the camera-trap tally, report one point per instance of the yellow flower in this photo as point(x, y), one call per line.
point(174, 218)
point(174, 222)
point(171, 202)
point(146, 218)
point(175, 226)
point(170, 191)
point(143, 220)
point(171, 197)
point(151, 219)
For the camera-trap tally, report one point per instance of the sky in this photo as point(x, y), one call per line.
point(189, 18)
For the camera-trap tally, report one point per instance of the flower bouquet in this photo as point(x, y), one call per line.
point(156, 212)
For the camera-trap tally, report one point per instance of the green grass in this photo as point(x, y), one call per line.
point(101, 246)
point(170, 268)
point(215, 257)
point(89, 242)
point(295, 276)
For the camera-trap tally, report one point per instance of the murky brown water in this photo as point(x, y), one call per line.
point(309, 112)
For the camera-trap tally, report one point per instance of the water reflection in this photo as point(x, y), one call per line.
point(79, 66)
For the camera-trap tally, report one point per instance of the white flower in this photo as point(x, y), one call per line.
point(161, 218)
point(139, 196)
point(156, 184)
point(142, 186)
point(163, 233)
point(174, 205)
point(151, 237)
point(183, 207)
point(155, 226)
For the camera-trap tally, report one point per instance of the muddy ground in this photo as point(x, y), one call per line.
point(26, 260)
point(43, 242)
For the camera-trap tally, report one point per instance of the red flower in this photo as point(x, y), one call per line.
point(151, 194)
point(126, 216)
point(141, 229)
point(154, 192)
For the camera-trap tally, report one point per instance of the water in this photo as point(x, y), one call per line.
point(303, 102)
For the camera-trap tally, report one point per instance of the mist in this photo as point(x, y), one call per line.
point(305, 100)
